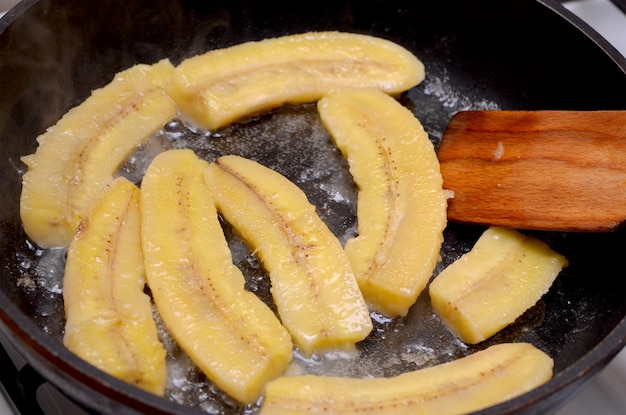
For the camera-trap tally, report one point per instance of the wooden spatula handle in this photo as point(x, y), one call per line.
point(557, 170)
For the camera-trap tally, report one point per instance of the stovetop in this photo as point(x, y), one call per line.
point(606, 394)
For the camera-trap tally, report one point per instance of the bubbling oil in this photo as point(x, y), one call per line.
point(292, 141)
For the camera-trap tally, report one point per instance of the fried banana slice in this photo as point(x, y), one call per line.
point(489, 287)
point(480, 380)
point(109, 320)
point(228, 332)
point(313, 286)
point(221, 86)
point(77, 157)
point(401, 207)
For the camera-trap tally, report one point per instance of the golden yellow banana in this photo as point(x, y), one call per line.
point(77, 157)
point(228, 332)
point(224, 85)
point(401, 208)
point(313, 286)
point(109, 320)
point(477, 381)
point(488, 288)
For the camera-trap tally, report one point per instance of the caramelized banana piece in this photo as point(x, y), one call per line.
point(224, 85)
point(109, 320)
point(233, 337)
point(477, 381)
point(401, 208)
point(313, 286)
point(488, 288)
point(77, 157)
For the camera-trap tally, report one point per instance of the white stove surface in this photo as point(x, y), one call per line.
point(605, 18)
point(607, 393)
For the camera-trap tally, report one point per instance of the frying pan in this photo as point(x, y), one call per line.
point(480, 54)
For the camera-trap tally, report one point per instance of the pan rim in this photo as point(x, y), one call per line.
point(587, 30)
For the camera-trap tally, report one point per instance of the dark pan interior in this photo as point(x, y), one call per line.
point(478, 55)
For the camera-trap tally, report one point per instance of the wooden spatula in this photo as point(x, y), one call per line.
point(547, 170)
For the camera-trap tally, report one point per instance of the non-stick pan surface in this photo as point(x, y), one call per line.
point(478, 54)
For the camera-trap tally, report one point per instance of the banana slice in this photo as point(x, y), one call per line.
point(222, 86)
point(401, 209)
point(109, 320)
point(77, 157)
point(477, 381)
point(313, 286)
point(233, 337)
point(488, 288)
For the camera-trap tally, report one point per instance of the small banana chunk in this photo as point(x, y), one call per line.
point(313, 286)
point(224, 85)
point(109, 320)
point(233, 337)
point(78, 156)
point(474, 382)
point(488, 288)
point(401, 208)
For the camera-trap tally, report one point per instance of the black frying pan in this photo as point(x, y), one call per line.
point(481, 54)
